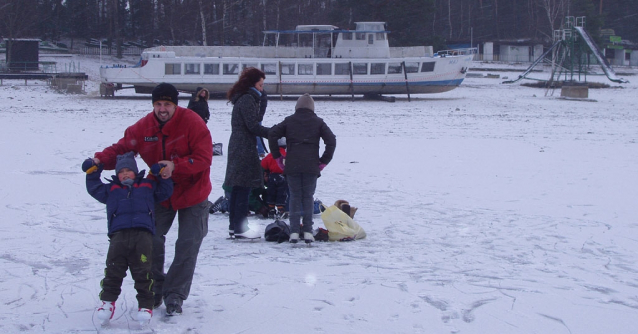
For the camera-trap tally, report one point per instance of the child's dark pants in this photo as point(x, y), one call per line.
point(129, 249)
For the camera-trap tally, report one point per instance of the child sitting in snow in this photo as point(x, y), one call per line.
point(130, 201)
point(277, 187)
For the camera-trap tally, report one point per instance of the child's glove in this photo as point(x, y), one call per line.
point(156, 169)
point(280, 162)
point(321, 167)
point(89, 166)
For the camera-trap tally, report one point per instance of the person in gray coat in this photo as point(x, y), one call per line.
point(303, 131)
point(243, 171)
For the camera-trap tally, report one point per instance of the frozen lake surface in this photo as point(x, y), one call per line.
point(489, 209)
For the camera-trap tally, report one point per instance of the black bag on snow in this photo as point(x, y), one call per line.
point(277, 231)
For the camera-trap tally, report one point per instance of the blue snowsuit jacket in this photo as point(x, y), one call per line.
point(129, 207)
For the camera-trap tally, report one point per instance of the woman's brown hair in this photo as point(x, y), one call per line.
point(248, 78)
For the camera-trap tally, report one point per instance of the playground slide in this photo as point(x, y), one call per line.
point(599, 55)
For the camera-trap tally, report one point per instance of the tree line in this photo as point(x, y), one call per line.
point(240, 22)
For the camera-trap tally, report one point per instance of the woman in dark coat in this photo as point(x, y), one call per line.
point(199, 103)
point(243, 171)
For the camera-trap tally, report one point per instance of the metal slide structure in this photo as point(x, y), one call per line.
point(570, 53)
point(599, 56)
point(536, 62)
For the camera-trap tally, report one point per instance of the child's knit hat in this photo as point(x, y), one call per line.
point(126, 160)
point(305, 102)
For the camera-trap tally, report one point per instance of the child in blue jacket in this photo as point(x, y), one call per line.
point(130, 201)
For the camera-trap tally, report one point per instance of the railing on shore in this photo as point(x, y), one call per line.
point(45, 67)
point(513, 59)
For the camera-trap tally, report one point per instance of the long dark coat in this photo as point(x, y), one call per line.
point(200, 105)
point(244, 168)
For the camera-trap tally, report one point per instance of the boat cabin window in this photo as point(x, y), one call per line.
point(287, 69)
point(361, 36)
point(172, 69)
point(304, 69)
point(427, 66)
point(380, 36)
point(191, 69)
point(211, 69)
point(377, 68)
point(347, 36)
point(370, 39)
point(270, 68)
point(359, 68)
point(324, 69)
point(244, 66)
point(342, 68)
point(231, 69)
point(395, 68)
point(411, 67)
point(370, 26)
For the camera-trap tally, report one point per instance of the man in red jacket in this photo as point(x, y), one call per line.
point(178, 138)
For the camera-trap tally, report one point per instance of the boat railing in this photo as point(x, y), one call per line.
point(457, 52)
point(294, 51)
point(411, 51)
point(236, 51)
point(307, 52)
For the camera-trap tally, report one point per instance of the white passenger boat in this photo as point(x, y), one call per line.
point(315, 59)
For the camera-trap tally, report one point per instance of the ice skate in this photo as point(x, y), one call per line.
point(250, 234)
point(294, 238)
point(105, 312)
point(308, 237)
point(144, 316)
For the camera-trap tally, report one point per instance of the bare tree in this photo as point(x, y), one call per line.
point(114, 31)
point(225, 18)
point(449, 15)
point(16, 20)
point(264, 20)
point(554, 9)
point(16, 17)
point(496, 21)
point(201, 13)
point(278, 14)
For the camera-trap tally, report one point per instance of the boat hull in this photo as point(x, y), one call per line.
point(445, 74)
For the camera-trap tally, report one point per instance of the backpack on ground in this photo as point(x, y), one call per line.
point(277, 231)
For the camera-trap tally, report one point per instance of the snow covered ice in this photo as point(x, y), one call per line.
point(489, 209)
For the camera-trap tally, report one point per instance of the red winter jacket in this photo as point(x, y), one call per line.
point(270, 165)
point(184, 139)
